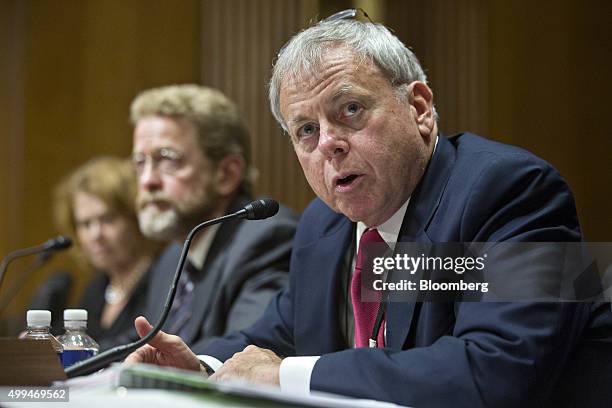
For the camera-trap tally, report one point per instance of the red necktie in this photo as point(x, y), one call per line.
point(365, 312)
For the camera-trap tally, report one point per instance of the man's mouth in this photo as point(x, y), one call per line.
point(157, 204)
point(346, 180)
point(346, 183)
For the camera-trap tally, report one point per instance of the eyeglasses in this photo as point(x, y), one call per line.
point(165, 160)
point(341, 15)
point(347, 14)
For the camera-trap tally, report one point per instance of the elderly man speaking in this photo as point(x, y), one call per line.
point(356, 104)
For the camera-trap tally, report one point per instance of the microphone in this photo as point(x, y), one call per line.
point(259, 209)
point(29, 271)
point(45, 250)
point(58, 244)
point(256, 210)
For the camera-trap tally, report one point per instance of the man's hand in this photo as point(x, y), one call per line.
point(252, 364)
point(164, 349)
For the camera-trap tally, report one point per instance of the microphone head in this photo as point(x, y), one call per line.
point(261, 209)
point(59, 243)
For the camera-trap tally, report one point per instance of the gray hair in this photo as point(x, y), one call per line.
point(304, 53)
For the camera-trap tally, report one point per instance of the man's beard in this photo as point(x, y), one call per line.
point(159, 225)
point(174, 222)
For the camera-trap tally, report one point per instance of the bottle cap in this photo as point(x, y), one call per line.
point(38, 318)
point(75, 314)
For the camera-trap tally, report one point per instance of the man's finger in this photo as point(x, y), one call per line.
point(143, 327)
point(138, 356)
point(162, 341)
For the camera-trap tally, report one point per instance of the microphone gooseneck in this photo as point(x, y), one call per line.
point(55, 244)
point(258, 209)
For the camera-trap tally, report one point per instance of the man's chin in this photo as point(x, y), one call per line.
point(369, 215)
point(160, 226)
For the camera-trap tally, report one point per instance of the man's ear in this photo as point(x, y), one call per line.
point(420, 98)
point(229, 174)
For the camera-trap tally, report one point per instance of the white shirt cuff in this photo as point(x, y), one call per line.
point(210, 361)
point(295, 373)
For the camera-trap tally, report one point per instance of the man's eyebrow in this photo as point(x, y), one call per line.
point(156, 150)
point(296, 121)
point(344, 89)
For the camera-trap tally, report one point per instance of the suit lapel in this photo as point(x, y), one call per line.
point(161, 277)
point(207, 280)
point(423, 205)
point(317, 311)
point(205, 285)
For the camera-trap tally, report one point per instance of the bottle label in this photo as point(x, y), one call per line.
point(69, 357)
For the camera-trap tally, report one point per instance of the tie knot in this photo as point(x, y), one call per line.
point(369, 247)
point(370, 236)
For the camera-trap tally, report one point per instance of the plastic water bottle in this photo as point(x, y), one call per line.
point(39, 326)
point(78, 345)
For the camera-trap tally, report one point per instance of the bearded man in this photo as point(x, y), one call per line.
point(191, 154)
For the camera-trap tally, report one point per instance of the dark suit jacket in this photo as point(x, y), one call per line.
point(247, 264)
point(438, 354)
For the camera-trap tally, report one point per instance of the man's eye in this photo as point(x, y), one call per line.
point(307, 130)
point(138, 162)
point(170, 155)
point(351, 109)
point(169, 160)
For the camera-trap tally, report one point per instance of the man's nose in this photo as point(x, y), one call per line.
point(332, 140)
point(95, 229)
point(149, 178)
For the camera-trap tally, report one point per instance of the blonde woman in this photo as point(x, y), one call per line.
point(95, 205)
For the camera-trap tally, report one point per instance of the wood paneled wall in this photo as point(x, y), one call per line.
point(239, 42)
point(532, 74)
point(451, 40)
point(549, 90)
point(11, 131)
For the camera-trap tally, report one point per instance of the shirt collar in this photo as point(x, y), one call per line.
point(388, 230)
point(199, 250)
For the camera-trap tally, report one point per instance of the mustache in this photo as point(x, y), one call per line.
point(145, 198)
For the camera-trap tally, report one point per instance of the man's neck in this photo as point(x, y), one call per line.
point(200, 244)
